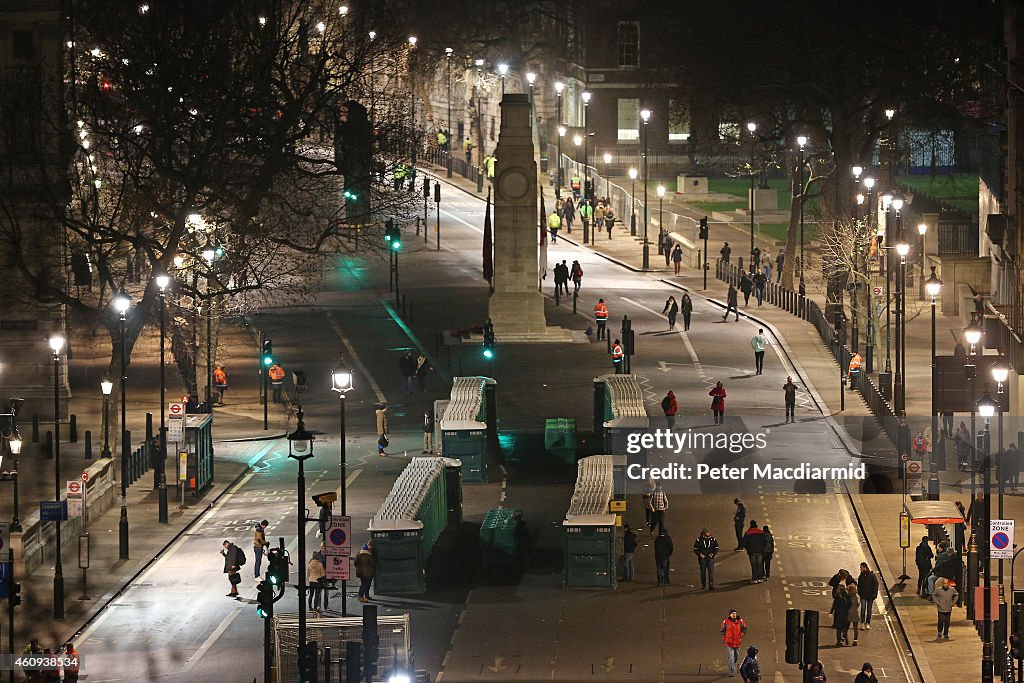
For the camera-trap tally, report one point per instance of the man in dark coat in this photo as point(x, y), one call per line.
point(739, 521)
point(232, 563)
point(662, 553)
point(732, 304)
point(754, 542)
point(923, 559)
point(705, 548)
point(867, 589)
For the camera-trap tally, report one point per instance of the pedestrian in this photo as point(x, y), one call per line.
point(726, 252)
point(923, 559)
point(648, 491)
point(428, 431)
point(71, 663)
point(663, 555)
point(867, 590)
point(423, 369)
point(853, 374)
point(768, 554)
point(601, 316)
point(324, 518)
point(705, 548)
point(259, 546)
point(947, 566)
point(840, 612)
point(739, 519)
point(718, 403)
point(671, 308)
point(853, 614)
point(687, 309)
point(220, 382)
point(276, 376)
point(561, 274)
point(568, 214)
point(759, 343)
point(750, 669)
point(666, 248)
point(234, 558)
point(382, 429)
point(617, 357)
point(816, 674)
point(586, 210)
point(1012, 466)
point(920, 446)
point(407, 368)
point(759, 284)
point(866, 675)
point(366, 567)
point(677, 257)
point(574, 184)
point(755, 258)
point(467, 148)
point(554, 223)
point(731, 304)
point(766, 265)
point(839, 581)
point(659, 506)
point(746, 286)
point(321, 556)
point(314, 573)
point(789, 389)
point(50, 670)
point(962, 443)
point(577, 276)
point(670, 406)
point(754, 542)
point(609, 220)
point(628, 549)
point(944, 598)
point(780, 261)
point(599, 212)
point(733, 629)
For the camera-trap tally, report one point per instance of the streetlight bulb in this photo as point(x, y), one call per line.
point(801, 140)
point(341, 380)
point(922, 228)
point(860, 199)
point(195, 220)
point(162, 281)
point(321, 26)
point(632, 174)
point(886, 200)
point(902, 249)
point(972, 333)
point(585, 96)
point(179, 261)
point(857, 170)
point(661, 190)
point(209, 253)
point(889, 113)
point(106, 386)
point(933, 284)
point(15, 444)
point(343, 10)
point(503, 69)
point(1000, 373)
point(122, 303)
point(56, 343)
point(869, 182)
point(986, 406)
point(478, 62)
point(607, 157)
point(412, 40)
point(645, 114)
point(578, 140)
point(751, 126)
point(559, 86)
point(561, 131)
point(897, 203)
point(448, 52)
point(531, 77)
point(373, 34)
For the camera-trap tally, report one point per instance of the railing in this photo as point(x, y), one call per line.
point(459, 165)
point(958, 238)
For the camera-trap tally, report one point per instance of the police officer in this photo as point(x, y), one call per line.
point(617, 356)
point(601, 316)
point(554, 223)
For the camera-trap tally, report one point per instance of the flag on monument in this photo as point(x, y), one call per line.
point(488, 244)
point(543, 239)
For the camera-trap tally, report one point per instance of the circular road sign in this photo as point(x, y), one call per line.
point(175, 409)
point(913, 467)
point(85, 476)
point(877, 291)
point(337, 537)
point(74, 487)
point(904, 457)
point(1000, 540)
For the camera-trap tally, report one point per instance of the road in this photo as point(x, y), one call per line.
point(175, 622)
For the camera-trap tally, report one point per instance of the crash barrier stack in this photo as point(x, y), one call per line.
point(618, 409)
point(590, 538)
point(468, 423)
point(409, 522)
point(393, 648)
point(560, 438)
point(500, 533)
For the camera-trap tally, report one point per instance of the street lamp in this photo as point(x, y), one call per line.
point(57, 344)
point(121, 305)
point(448, 62)
point(106, 386)
point(934, 287)
point(645, 114)
point(607, 175)
point(341, 382)
point(1000, 373)
point(162, 281)
point(752, 127)
point(801, 140)
point(503, 71)
point(15, 442)
point(300, 449)
point(531, 78)
point(585, 96)
point(209, 255)
point(922, 230)
point(902, 249)
point(987, 408)
point(632, 203)
point(559, 87)
point(661, 220)
point(412, 111)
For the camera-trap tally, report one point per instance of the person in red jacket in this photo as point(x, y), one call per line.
point(670, 405)
point(718, 403)
point(732, 630)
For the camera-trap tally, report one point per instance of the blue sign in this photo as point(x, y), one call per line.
point(6, 572)
point(338, 537)
point(51, 511)
point(1000, 540)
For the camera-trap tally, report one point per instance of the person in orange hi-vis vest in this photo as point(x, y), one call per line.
point(617, 356)
point(601, 316)
point(276, 375)
point(855, 364)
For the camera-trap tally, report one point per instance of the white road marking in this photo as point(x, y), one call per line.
point(355, 357)
point(686, 338)
point(191, 661)
point(464, 222)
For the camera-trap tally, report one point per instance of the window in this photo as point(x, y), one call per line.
point(21, 43)
point(629, 43)
point(629, 119)
point(678, 122)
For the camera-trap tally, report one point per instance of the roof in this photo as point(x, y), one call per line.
point(934, 512)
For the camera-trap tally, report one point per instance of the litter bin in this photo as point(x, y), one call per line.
point(885, 385)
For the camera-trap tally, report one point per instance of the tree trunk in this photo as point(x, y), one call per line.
point(793, 233)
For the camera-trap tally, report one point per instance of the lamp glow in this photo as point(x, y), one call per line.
point(922, 228)
point(661, 190)
point(122, 303)
point(607, 157)
point(56, 343)
point(752, 127)
point(869, 182)
point(801, 140)
point(857, 170)
point(632, 174)
point(902, 248)
point(162, 281)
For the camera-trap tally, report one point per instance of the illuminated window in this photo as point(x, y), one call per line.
point(629, 119)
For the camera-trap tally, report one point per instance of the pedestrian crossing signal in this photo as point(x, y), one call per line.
point(489, 340)
point(277, 567)
point(265, 600)
point(392, 235)
point(268, 353)
point(350, 195)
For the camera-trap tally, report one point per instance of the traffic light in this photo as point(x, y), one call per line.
point(15, 594)
point(810, 636)
point(277, 566)
point(489, 340)
point(392, 235)
point(265, 600)
point(307, 662)
point(426, 187)
point(1016, 634)
point(703, 228)
point(268, 353)
point(350, 195)
point(792, 636)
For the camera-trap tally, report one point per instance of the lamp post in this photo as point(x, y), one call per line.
point(341, 382)
point(752, 127)
point(801, 140)
point(57, 344)
point(559, 87)
point(121, 304)
point(448, 61)
point(986, 408)
point(585, 96)
point(106, 386)
point(645, 114)
point(934, 287)
point(869, 357)
point(531, 78)
point(607, 175)
point(902, 249)
point(632, 203)
point(577, 140)
point(661, 218)
point(300, 449)
point(162, 281)
point(209, 255)
point(887, 262)
point(503, 71)
point(972, 333)
point(412, 110)
point(859, 197)
point(922, 230)
point(1000, 373)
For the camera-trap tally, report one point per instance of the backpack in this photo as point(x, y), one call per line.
point(241, 557)
point(666, 403)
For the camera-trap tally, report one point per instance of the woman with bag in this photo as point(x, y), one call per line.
point(840, 612)
point(718, 403)
point(382, 429)
point(671, 308)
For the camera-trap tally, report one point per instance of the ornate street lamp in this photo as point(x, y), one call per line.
point(342, 383)
point(121, 305)
point(57, 345)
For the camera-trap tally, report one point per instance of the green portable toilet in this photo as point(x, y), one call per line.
point(468, 427)
point(590, 530)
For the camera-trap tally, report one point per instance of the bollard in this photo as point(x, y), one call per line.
point(126, 452)
point(149, 426)
point(73, 428)
point(88, 445)
point(353, 660)
point(35, 429)
point(575, 296)
point(49, 445)
point(557, 300)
